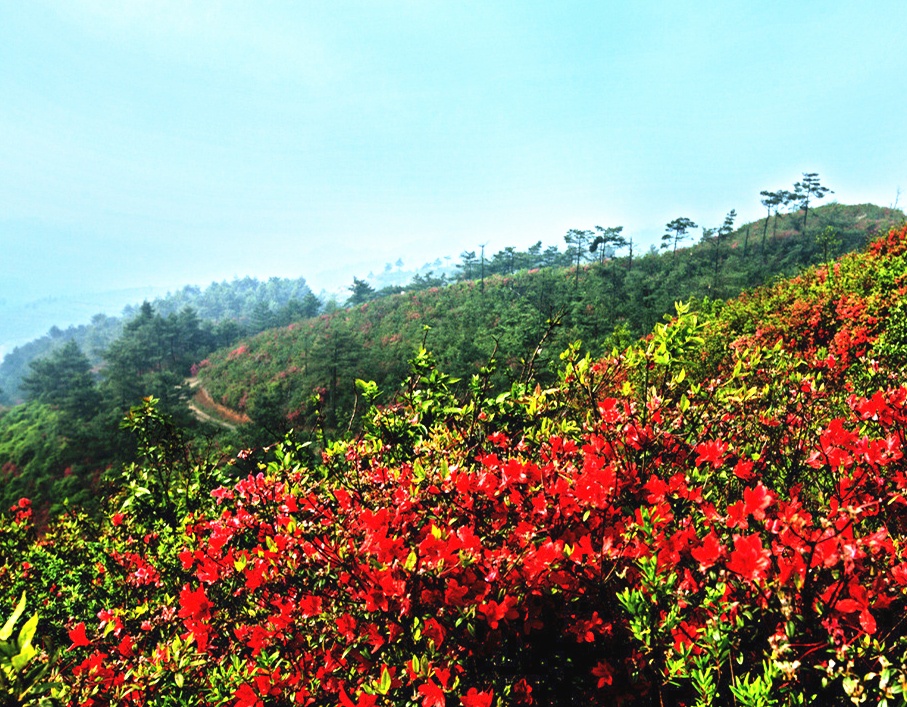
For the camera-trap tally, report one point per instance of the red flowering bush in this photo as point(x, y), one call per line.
point(715, 515)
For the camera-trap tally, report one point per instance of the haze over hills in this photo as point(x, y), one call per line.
point(227, 308)
point(22, 320)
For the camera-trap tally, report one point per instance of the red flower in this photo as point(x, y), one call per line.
point(125, 646)
point(494, 612)
point(708, 553)
point(78, 637)
point(346, 624)
point(309, 606)
point(195, 610)
point(712, 452)
point(247, 697)
point(604, 673)
point(736, 516)
point(432, 695)
point(859, 601)
point(744, 470)
point(749, 559)
point(474, 698)
point(194, 605)
point(899, 573)
point(434, 632)
point(522, 691)
point(756, 500)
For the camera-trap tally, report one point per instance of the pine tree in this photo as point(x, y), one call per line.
point(676, 231)
point(362, 292)
point(64, 380)
point(808, 189)
point(576, 240)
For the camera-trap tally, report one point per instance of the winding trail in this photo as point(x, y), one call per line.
point(201, 399)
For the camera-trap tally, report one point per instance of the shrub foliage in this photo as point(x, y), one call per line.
point(714, 515)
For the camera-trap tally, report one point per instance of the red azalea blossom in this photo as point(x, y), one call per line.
point(744, 470)
point(713, 452)
point(194, 605)
point(604, 673)
point(247, 697)
point(709, 552)
point(749, 558)
point(432, 695)
point(78, 637)
point(756, 501)
point(474, 698)
point(858, 601)
point(737, 516)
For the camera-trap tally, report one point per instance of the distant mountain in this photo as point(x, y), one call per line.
point(22, 321)
point(250, 305)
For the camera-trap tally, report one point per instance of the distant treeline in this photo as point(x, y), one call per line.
point(228, 310)
point(522, 311)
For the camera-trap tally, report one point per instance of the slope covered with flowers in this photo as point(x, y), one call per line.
point(717, 514)
point(526, 311)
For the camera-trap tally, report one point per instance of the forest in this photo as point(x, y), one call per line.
point(589, 476)
point(228, 309)
point(518, 315)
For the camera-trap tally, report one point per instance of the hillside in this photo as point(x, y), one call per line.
point(231, 309)
point(713, 515)
point(304, 375)
point(512, 324)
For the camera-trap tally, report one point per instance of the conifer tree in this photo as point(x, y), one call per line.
point(469, 260)
point(809, 188)
point(720, 235)
point(676, 231)
point(607, 241)
point(576, 240)
point(361, 292)
point(771, 200)
point(64, 380)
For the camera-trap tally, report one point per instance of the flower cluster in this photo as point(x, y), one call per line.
point(712, 515)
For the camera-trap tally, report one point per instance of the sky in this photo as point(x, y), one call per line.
point(150, 144)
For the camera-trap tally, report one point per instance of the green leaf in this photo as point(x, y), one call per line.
point(684, 403)
point(23, 658)
point(27, 634)
point(7, 630)
point(384, 685)
point(369, 389)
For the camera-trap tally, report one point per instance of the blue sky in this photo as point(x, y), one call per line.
point(162, 143)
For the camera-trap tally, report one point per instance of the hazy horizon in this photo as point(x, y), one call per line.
point(151, 145)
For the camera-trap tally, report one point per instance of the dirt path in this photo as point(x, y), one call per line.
point(201, 398)
point(205, 417)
